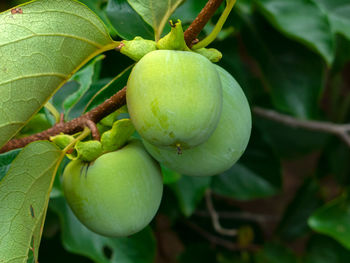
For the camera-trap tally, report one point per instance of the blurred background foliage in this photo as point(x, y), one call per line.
point(288, 195)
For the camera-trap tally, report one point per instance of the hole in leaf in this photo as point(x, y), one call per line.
point(107, 252)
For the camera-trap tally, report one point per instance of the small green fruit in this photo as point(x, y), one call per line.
point(174, 98)
point(116, 195)
point(224, 147)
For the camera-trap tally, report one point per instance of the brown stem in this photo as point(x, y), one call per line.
point(201, 20)
point(73, 126)
point(340, 130)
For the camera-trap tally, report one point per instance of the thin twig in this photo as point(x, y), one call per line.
point(220, 241)
point(215, 217)
point(340, 130)
point(240, 215)
point(201, 20)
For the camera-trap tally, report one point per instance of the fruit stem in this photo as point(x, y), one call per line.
point(212, 36)
point(81, 136)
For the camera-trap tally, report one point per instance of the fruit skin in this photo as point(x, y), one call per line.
point(116, 195)
point(174, 98)
point(224, 147)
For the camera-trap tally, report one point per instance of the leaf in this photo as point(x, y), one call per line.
point(126, 21)
point(303, 21)
point(293, 75)
point(339, 15)
point(275, 253)
point(84, 77)
point(97, 6)
point(24, 196)
point(257, 174)
point(6, 160)
point(333, 219)
point(322, 249)
point(155, 12)
point(305, 202)
point(189, 191)
point(78, 239)
point(39, 50)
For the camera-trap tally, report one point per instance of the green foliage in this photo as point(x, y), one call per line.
point(24, 195)
point(290, 56)
point(302, 20)
point(333, 219)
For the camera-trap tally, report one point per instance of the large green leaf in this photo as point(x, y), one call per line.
point(78, 239)
point(301, 20)
point(97, 6)
point(339, 14)
point(41, 46)
point(126, 21)
point(155, 12)
point(293, 75)
point(333, 219)
point(24, 196)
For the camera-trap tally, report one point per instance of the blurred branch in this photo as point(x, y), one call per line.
point(215, 217)
point(339, 130)
point(220, 241)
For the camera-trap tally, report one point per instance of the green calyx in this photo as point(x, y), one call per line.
point(88, 151)
point(137, 48)
point(175, 39)
point(118, 136)
point(62, 140)
point(212, 54)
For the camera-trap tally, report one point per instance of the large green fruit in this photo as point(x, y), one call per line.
point(227, 143)
point(174, 98)
point(116, 195)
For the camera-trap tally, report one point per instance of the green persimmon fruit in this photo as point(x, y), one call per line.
point(174, 98)
point(116, 195)
point(224, 147)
